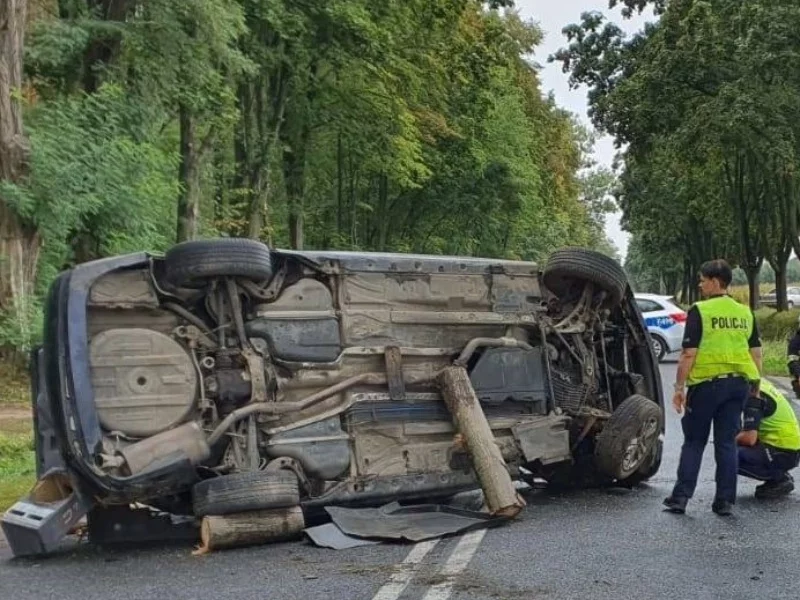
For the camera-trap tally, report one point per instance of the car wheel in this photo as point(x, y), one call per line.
point(190, 264)
point(659, 346)
point(629, 438)
point(648, 469)
point(789, 304)
point(240, 492)
point(570, 266)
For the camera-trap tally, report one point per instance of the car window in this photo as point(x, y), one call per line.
point(794, 291)
point(648, 305)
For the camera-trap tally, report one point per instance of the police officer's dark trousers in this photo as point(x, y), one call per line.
point(766, 463)
point(719, 402)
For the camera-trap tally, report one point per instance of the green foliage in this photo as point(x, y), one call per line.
point(774, 358)
point(16, 454)
point(403, 125)
point(706, 102)
point(17, 461)
point(99, 182)
point(777, 325)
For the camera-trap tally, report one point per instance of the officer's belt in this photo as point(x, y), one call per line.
point(724, 376)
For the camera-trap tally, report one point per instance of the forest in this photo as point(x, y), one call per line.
point(703, 104)
point(402, 125)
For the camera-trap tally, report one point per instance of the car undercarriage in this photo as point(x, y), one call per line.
point(227, 377)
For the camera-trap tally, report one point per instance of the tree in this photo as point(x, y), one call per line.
point(727, 134)
point(19, 240)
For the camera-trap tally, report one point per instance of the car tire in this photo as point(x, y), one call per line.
point(789, 304)
point(629, 437)
point(569, 266)
point(659, 346)
point(190, 264)
point(648, 469)
point(241, 492)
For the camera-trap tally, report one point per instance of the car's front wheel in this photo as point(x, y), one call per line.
point(629, 438)
point(659, 346)
point(571, 267)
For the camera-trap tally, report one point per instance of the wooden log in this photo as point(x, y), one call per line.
point(502, 498)
point(249, 528)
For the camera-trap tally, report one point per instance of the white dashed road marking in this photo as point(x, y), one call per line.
point(405, 572)
point(458, 561)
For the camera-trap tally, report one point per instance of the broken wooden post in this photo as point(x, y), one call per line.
point(248, 528)
point(501, 496)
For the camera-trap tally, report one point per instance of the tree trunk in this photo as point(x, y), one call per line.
point(103, 47)
point(294, 166)
point(780, 287)
point(383, 211)
point(470, 422)
point(248, 528)
point(339, 186)
point(19, 241)
point(189, 177)
point(752, 284)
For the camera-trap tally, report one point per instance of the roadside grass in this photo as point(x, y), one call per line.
point(774, 357)
point(17, 468)
point(14, 385)
point(741, 293)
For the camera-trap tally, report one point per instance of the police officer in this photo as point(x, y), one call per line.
point(793, 357)
point(721, 363)
point(769, 443)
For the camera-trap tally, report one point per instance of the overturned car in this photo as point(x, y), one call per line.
point(228, 377)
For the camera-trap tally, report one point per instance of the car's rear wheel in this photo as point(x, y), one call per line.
point(191, 264)
point(569, 269)
point(629, 438)
point(659, 346)
point(249, 490)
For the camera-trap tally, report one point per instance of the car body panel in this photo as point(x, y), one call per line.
point(663, 318)
point(338, 318)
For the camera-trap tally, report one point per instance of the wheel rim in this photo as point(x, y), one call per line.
point(657, 346)
point(640, 446)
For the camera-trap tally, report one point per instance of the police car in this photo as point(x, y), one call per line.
point(665, 322)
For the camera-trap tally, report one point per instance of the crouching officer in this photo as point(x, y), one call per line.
point(721, 362)
point(793, 358)
point(769, 443)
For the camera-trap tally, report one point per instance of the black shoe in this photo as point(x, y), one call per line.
point(775, 489)
point(722, 507)
point(675, 505)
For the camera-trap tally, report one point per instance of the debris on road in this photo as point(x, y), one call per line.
point(470, 421)
point(249, 528)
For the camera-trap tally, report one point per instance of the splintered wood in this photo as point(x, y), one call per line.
point(501, 496)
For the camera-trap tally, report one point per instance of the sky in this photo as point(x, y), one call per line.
point(552, 16)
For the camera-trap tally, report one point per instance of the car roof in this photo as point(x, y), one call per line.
point(654, 297)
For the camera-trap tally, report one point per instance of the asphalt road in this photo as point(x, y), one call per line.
point(597, 544)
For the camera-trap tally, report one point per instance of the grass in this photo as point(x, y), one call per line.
point(774, 356)
point(17, 468)
point(742, 292)
point(14, 385)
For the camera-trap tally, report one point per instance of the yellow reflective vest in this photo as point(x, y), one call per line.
point(724, 345)
point(780, 429)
